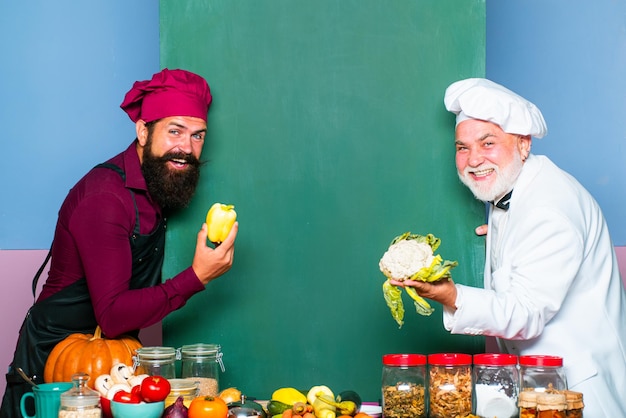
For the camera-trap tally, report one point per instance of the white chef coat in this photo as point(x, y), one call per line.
point(554, 286)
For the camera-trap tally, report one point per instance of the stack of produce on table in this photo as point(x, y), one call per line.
point(318, 402)
point(123, 386)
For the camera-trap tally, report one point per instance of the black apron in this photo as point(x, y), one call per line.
point(70, 311)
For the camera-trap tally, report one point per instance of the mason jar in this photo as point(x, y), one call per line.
point(156, 361)
point(542, 373)
point(404, 386)
point(202, 363)
point(496, 385)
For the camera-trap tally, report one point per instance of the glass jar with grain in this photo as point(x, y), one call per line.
point(202, 363)
point(449, 385)
point(404, 386)
point(80, 401)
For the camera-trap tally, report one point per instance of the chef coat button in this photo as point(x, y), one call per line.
point(473, 331)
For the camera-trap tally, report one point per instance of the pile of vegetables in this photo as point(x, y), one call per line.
point(412, 257)
point(318, 402)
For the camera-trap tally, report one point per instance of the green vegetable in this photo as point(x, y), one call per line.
point(275, 407)
point(350, 395)
point(411, 257)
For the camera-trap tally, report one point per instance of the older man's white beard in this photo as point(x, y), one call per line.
point(505, 179)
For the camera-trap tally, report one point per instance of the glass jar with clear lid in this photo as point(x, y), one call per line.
point(202, 363)
point(542, 373)
point(80, 401)
point(496, 385)
point(449, 385)
point(156, 361)
point(404, 389)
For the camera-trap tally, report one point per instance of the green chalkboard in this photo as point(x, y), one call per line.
point(329, 135)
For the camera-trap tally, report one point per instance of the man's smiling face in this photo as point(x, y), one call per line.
point(169, 150)
point(489, 160)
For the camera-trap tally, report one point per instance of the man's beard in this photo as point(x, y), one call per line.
point(171, 189)
point(505, 179)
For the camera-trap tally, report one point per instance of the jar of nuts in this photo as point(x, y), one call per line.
point(404, 390)
point(450, 385)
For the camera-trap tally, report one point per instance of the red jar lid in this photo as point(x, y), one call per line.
point(450, 359)
point(539, 361)
point(404, 360)
point(495, 359)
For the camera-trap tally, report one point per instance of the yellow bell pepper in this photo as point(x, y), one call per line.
point(289, 396)
point(220, 219)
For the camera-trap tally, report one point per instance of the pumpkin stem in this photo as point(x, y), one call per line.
point(97, 334)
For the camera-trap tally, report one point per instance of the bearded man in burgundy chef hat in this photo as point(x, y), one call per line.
point(109, 241)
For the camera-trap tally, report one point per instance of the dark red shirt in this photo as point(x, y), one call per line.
point(92, 241)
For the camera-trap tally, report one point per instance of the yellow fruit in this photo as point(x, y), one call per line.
point(288, 396)
point(219, 220)
point(230, 395)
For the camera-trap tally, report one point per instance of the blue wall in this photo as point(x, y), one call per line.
point(65, 68)
point(570, 59)
point(67, 65)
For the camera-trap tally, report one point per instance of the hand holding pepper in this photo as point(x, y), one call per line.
point(210, 263)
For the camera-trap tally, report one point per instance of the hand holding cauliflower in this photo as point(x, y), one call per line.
point(411, 257)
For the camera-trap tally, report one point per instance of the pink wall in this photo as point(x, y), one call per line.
point(18, 268)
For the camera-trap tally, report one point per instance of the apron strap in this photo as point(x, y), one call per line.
point(43, 266)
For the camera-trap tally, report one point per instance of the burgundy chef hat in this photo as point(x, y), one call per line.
point(168, 93)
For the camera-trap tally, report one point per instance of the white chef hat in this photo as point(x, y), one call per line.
point(479, 98)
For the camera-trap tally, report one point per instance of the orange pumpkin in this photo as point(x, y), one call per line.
point(91, 354)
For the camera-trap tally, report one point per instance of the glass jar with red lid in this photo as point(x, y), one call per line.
point(449, 385)
point(542, 373)
point(496, 385)
point(404, 388)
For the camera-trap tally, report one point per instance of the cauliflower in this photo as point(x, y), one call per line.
point(405, 258)
point(411, 257)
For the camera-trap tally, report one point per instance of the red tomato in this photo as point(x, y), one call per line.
point(155, 388)
point(126, 397)
point(208, 407)
point(136, 390)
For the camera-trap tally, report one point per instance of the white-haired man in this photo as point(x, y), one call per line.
point(551, 281)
